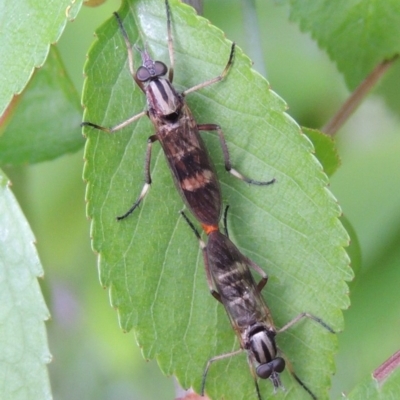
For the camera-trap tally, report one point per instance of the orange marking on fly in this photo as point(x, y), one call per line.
point(198, 181)
point(209, 228)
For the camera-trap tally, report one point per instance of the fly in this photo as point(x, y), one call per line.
point(178, 133)
point(232, 284)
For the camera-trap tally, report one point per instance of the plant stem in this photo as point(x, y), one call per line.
point(385, 369)
point(356, 97)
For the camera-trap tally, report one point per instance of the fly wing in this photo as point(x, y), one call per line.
point(191, 167)
point(239, 293)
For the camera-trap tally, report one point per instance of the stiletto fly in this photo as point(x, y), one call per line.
point(231, 283)
point(178, 133)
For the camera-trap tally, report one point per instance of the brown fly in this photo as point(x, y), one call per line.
point(178, 133)
point(231, 283)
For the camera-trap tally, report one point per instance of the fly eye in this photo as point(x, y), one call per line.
point(143, 74)
point(160, 68)
point(279, 364)
point(264, 371)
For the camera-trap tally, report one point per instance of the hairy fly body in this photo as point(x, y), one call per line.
point(231, 283)
point(178, 133)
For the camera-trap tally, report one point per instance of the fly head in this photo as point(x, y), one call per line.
point(149, 69)
point(262, 347)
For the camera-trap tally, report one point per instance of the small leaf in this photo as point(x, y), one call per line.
point(353, 250)
point(23, 342)
point(46, 121)
point(325, 150)
point(357, 34)
point(27, 29)
point(151, 261)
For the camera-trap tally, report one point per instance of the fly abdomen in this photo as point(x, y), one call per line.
point(192, 171)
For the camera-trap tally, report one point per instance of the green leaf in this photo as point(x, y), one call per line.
point(357, 34)
point(388, 87)
point(27, 29)
point(325, 149)
point(151, 261)
point(46, 121)
point(25, 353)
point(354, 249)
point(374, 387)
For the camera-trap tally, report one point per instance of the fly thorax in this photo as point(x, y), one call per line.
point(261, 343)
point(162, 99)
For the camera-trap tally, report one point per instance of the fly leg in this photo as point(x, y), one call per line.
point(203, 247)
point(225, 151)
point(147, 178)
point(130, 52)
point(302, 315)
point(217, 358)
point(217, 78)
point(289, 366)
point(299, 381)
point(252, 264)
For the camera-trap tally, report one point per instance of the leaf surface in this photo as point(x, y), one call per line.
point(27, 28)
point(25, 353)
point(325, 149)
point(357, 34)
point(383, 384)
point(46, 120)
point(151, 261)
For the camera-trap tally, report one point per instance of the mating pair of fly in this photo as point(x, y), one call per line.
point(227, 269)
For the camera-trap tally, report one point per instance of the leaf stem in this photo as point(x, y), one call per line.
point(253, 36)
point(385, 369)
point(357, 97)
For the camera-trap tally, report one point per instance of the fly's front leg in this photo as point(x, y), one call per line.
point(138, 82)
point(129, 50)
point(216, 79)
point(251, 361)
point(289, 366)
point(147, 178)
point(228, 165)
point(212, 360)
point(170, 43)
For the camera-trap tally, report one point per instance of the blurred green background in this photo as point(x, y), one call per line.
point(92, 357)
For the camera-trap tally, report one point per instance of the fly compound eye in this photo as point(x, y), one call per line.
point(279, 364)
point(151, 70)
point(160, 68)
point(264, 371)
point(143, 74)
